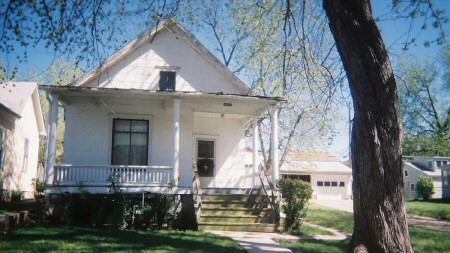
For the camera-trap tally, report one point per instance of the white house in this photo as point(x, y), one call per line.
point(424, 166)
point(330, 178)
point(445, 181)
point(21, 124)
point(152, 110)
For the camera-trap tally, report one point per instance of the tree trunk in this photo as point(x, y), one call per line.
point(379, 204)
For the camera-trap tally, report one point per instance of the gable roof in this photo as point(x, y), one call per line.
point(313, 162)
point(15, 95)
point(147, 37)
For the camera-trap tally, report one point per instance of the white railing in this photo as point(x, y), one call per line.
point(102, 175)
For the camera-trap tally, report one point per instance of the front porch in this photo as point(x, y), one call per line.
point(103, 178)
point(175, 130)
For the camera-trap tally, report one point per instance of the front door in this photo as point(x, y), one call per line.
point(206, 161)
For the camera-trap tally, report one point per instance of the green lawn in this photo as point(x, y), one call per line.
point(72, 239)
point(340, 220)
point(423, 240)
point(309, 231)
point(439, 209)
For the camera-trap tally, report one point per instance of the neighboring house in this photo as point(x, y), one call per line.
point(21, 124)
point(445, 181)
point(424, 166)
point(330, 178)
point(149, 113)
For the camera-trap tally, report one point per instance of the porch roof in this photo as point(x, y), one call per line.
point(199, 101)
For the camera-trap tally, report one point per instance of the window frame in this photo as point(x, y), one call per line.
point(26, 152)
point(147, 139)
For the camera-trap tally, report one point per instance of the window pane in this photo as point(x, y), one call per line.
point(333, 183)
point(206, 149)
point(341, 184)
point(139, 126)
point(166, 80)
point(319, 183)
point(121, 149)
point(327, 183)
point(138, 149)
point(121, 125)
point(205, 167)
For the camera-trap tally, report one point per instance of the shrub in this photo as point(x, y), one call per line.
point(296, 194)
point(16, 195)
point(425, 187)
point(39, 188)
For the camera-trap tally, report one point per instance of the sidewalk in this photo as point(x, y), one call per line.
point(268, 242)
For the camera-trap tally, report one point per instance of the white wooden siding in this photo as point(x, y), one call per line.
point(140, 69)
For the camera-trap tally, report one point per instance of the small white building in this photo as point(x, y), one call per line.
point(150, 112)
point(424, 166)
point(21, 124)
point(330, 178)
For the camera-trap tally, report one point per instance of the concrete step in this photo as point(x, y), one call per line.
point(226, 211)
point(248, 227)
point(235, 219)
point(233, 204)
point(229, 197)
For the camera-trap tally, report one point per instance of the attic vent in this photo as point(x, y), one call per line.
point(227, 104)
point(167, 81)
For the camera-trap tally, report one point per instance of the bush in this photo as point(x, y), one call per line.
point(296, 194)
point(16, 195)
point(425, 187)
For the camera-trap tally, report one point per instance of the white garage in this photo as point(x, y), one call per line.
point(330, 178)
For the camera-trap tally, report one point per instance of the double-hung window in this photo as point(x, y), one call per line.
point(130, 142)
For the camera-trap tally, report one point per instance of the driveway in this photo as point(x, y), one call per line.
point(343, 205)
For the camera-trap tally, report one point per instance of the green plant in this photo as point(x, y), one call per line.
point(39, 188)
point(425, 187)
point(296, 194)
point(16, 195)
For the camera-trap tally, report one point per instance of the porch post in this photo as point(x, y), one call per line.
point(51, 139)
point(176, 138)
point(274, 147)
point(255, 149)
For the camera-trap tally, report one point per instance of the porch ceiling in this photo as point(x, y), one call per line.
point(199, 101)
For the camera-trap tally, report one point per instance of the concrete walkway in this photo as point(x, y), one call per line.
point(258, 242)
point(269, 242)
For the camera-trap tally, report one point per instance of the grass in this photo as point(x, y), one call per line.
point(436, 208)
point(340, 220)
point(317, 246)
point(309, 231)
point(73, 239)
point(423, 239)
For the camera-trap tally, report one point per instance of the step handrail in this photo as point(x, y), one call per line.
point(197, 191)
point(273, 199)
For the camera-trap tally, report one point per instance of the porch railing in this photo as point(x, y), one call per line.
point(123, 175)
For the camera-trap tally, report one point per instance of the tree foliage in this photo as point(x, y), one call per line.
point(424, 98)
point(85, 30)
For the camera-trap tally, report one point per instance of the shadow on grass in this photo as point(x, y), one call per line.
point(318, 246)
point(101, 240)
